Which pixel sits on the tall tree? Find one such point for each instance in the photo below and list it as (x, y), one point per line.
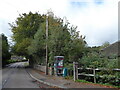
(24, 30)
(5, 49)
(59, 37)
(77, 45)
(37, 47)
(30, 38)
(62, 40)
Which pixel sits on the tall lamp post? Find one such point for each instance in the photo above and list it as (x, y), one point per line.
(46, 72)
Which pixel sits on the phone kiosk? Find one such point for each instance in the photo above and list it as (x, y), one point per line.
(58, 65)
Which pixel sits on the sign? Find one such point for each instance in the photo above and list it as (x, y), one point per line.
(59, 61)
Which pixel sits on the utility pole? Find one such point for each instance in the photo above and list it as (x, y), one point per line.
(46, 72)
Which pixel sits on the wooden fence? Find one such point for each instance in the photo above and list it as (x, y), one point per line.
(93, 74)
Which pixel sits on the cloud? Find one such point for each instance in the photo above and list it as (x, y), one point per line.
(96, 19)
(4, 28)
(78, 4)
(98, 2)
(98, 22)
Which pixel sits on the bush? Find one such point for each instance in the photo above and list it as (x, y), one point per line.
(69, 69)
(11, 61)
(93, 60)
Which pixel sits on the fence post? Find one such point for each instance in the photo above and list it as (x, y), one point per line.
(75, 70)
(94, 75)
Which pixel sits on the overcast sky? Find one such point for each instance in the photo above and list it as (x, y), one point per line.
(96, 19)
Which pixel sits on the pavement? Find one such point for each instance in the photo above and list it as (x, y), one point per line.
(60, 82)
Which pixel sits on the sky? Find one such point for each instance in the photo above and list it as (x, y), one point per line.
(96, 19)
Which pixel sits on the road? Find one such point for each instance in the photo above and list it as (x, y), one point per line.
(16, 76)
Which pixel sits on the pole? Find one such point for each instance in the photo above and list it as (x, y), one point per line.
(46, 45)
(75, 70)
(94, 75)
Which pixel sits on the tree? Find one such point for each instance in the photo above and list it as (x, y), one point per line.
(30, 38)
(59, 37)
(5, 49)
(105, 44)
(37, 47)
(62, 41)
(24, 30)
(77, 45)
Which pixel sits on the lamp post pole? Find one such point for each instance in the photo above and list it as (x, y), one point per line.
(46, 72)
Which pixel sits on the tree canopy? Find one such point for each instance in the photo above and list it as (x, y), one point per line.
(30, 38)
(23, 31)
(5, 49)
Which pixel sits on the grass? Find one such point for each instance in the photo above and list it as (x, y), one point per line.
(105, 84)
(26, 64)
(83, 81)
(11, 61)
(69, 77)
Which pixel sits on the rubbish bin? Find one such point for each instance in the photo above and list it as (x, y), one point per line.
(64, 72)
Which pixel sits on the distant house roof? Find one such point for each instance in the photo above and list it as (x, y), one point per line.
(113, 49)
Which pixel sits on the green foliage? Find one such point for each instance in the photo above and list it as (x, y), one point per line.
(69, 77)
(29, 34)
(62, 41)
(111, 79)
(106, 82)
(37, 47)
(26, 26)
(23, 31)
(59, 38)
(105, 44)
(5, 49)
(12, 61)
(68, 65)
(26, 64)
(93, 60)
(83, 81)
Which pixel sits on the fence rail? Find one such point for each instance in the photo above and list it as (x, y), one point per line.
(94, 72)
(115, 69)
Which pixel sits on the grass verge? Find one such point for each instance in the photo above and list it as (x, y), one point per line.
(105, 84)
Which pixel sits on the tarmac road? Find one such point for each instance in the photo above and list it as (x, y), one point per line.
(16, 76)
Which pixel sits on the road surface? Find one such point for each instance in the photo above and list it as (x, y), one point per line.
(16, 76)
